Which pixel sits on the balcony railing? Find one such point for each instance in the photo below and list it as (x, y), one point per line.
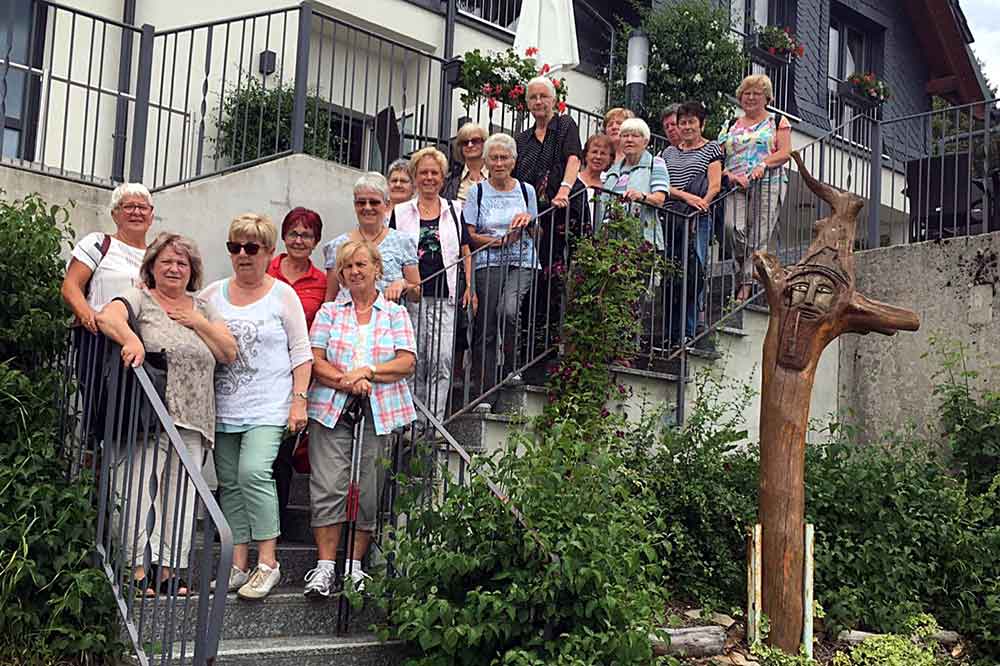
(498, 13)
(778, 68)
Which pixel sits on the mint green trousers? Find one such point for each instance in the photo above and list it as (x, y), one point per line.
(247, 493)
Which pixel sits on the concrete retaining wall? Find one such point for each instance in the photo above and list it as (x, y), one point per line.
(887, 382)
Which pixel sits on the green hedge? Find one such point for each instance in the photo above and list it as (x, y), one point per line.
(54, 606)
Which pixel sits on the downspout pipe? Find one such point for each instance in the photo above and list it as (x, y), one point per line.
(124, 87)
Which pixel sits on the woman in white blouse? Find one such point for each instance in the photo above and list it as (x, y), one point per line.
(256, 397)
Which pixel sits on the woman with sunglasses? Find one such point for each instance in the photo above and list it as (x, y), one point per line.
(469, 162)
(400, 273)
(257, 397)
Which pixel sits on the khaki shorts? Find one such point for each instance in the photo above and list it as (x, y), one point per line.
(330, 460)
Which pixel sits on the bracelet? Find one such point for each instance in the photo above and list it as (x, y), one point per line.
(301, 394)
(565, 184)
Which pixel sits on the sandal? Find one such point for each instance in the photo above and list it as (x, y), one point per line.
(143, 588)
(173, 586)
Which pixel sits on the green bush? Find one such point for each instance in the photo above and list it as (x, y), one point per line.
(692, 56)
(54, 606)
(581, 584)
(256, 122)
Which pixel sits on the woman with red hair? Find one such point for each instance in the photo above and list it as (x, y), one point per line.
(300, 232)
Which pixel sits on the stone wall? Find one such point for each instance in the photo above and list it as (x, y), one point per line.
(888, 382)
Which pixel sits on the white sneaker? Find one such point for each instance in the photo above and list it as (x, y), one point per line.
(237, 579)
(262, 581)
(319, 582)
(358, 577)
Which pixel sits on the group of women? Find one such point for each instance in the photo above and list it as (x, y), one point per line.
(281, 346)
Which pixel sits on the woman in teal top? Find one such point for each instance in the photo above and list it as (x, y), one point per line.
(640, 177)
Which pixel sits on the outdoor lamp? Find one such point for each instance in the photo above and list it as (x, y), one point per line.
(635, 68)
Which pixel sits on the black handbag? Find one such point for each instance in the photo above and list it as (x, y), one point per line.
(123, 395)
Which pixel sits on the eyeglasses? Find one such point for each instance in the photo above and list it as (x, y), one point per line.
(250, 248)
(131, 208)
(472, 142)
(362, 203)
(298, 235)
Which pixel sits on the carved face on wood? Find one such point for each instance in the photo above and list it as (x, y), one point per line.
(812, 295)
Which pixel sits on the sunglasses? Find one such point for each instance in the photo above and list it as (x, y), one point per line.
(472, 142)
(250, 248)
(361, 203)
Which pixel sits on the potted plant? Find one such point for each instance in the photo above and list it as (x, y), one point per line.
(502, 78)
(864, 89)
(774, 45)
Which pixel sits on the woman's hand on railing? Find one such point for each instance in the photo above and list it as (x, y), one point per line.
(634, 195)
(88, 318)
(740, 180)
(758, 171)
(133, 353)
(395, 290)
(520, 221)
(694, 201)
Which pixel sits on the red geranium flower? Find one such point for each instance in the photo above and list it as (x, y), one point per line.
(491, 102)
(530, 51)
(800, 50)
(562, 107)
(545, 69)
(771, 50)
(556, 83)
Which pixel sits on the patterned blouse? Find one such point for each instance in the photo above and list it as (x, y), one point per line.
(746, 147)
(398, 251)
(190, 363)
(336, 331)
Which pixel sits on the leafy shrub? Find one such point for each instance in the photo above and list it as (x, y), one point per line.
(692, 56)
(581, 584)
(256, 122)
(54, 606)
(32, 317)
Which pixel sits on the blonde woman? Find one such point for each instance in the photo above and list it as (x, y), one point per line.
(468, 160)
(756, 145)
(613, 120)
(257, 396)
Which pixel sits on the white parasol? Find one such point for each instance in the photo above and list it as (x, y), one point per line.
(550, 27)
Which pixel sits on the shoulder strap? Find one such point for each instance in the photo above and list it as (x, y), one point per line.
(524, 193)
(133, 323)
(105, 245)
(454, 217)
(392, 218)
(479, 196)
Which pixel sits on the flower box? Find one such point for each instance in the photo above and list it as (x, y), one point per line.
(764, 57)
(847, 92)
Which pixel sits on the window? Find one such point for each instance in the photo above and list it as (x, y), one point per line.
(748, 13)
(855, 47)
(23, 90)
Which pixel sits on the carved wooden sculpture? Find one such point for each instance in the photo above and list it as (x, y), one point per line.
(811, 304)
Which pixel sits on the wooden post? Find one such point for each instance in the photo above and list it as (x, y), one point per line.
(811, 303)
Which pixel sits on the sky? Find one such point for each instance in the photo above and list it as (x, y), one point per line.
(984, 20)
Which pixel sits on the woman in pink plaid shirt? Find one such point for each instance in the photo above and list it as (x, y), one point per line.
(363, 350)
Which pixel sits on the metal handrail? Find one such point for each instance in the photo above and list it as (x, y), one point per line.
(136, 418)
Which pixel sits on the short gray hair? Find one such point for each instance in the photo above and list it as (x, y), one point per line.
(373, 181)
(130, 190)
(178, 243)
(543, 81)
(500, 140)
(635, 126)
(670, 110)
(402, 164)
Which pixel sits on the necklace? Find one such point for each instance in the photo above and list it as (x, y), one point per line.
(426, 211)
(373, 241)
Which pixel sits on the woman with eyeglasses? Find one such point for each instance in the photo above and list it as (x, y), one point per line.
(257, 396)
(400, 274)
(640, 178)
(101, 267)
(300, 232)
(400, 182)
(756, 146)
(468, 163)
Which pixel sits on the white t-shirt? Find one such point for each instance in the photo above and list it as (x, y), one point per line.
(117, 271)
(271, 333)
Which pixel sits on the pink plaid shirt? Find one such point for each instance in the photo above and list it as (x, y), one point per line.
(335, 331)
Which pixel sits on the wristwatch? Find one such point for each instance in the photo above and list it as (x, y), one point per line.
(372, 368)
(301, 394)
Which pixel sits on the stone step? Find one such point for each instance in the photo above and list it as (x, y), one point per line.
(284, 612)
(320, 650)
